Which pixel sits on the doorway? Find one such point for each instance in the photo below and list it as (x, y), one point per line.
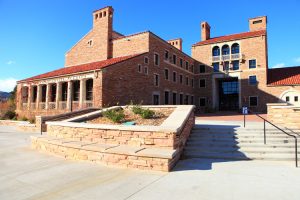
(228, 95)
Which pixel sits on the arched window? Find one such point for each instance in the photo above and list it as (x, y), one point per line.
(225, 49)
(216, 51)
(235, 48)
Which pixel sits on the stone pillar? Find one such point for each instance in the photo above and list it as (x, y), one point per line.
(82, 93)
(39, 96)
(30, 92)
(47, 95)
(58, 95)
(69, 97)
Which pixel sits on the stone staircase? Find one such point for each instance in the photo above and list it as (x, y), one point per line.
(238, 143)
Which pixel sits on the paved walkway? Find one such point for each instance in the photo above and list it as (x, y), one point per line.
(27, 174)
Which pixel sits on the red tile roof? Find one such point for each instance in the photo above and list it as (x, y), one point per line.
(81, 68)
(232, 37)
(284, 76)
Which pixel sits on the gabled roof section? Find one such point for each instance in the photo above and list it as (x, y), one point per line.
(232, 37)
(284, 76)
(81, 68)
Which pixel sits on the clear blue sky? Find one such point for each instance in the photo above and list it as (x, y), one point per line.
(35, 34)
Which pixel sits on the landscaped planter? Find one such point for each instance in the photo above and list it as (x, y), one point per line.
(171, 135)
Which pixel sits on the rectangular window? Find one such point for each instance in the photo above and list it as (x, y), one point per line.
(253, 101)
(235, 65)
(216, 67)
(181, 99)
(202, 101)
(226, 66)
(296, 98)
(186, 100)
(156, 59)
(166, 74)
(187, 65)
(174, 98)
(201, 69)
(252, 64)
(192, 99)
(174, 77)
(181, 78)
(146, 60)
(187, 80)
(174, 59)
(202, 83)
(252, 80)
(192, 82)
(146, 70)
(156, 79)
(257, 22)
(155, 99)
(139, 68)
(167, 97)
(287, 99)
(166, 55)
(181, 62)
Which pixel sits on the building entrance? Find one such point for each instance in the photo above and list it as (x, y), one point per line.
(228, 95)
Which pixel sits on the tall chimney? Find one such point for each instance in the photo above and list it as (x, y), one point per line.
(205, 31)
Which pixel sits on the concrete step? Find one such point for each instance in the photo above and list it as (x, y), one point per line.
(262, 149)
(244, 132)
(250, 136)
(239, 140)
(240, 145)
(241, 156)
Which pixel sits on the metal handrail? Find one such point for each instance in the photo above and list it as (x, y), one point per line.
(265, 139)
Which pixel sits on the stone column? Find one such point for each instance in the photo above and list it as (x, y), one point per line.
(47, 95)
(58, 95)
(30, 92)
(39, 96)
(82, 93)
(69, 97)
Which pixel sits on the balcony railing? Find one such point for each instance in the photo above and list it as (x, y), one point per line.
(226, 57)
(75, 105)
(62, 105)
(236, 56)
(33, 105)
(52, 105)
(216, 58)
(88, 104)
(42, 106)
(24, 106)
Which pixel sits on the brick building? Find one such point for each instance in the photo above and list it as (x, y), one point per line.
(105, 68)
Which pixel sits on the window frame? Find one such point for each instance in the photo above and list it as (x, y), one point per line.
(154, 59)
(204, 82)
(204, 98)
(255, 63)
(250, 101)
(156, 75)
(201, 71)
(249, 81)
(174, 75)
(167, 75)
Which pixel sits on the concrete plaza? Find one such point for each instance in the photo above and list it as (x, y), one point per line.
(27, 174)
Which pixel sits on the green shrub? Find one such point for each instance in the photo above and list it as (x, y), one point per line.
(32, 120)
(136, 109)
(147, 114)
(116, 116)
(23, 118)
(10, 115)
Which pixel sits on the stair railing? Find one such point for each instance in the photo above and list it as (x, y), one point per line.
(265, 138)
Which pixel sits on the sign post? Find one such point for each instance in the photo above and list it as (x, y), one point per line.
(245, 112)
